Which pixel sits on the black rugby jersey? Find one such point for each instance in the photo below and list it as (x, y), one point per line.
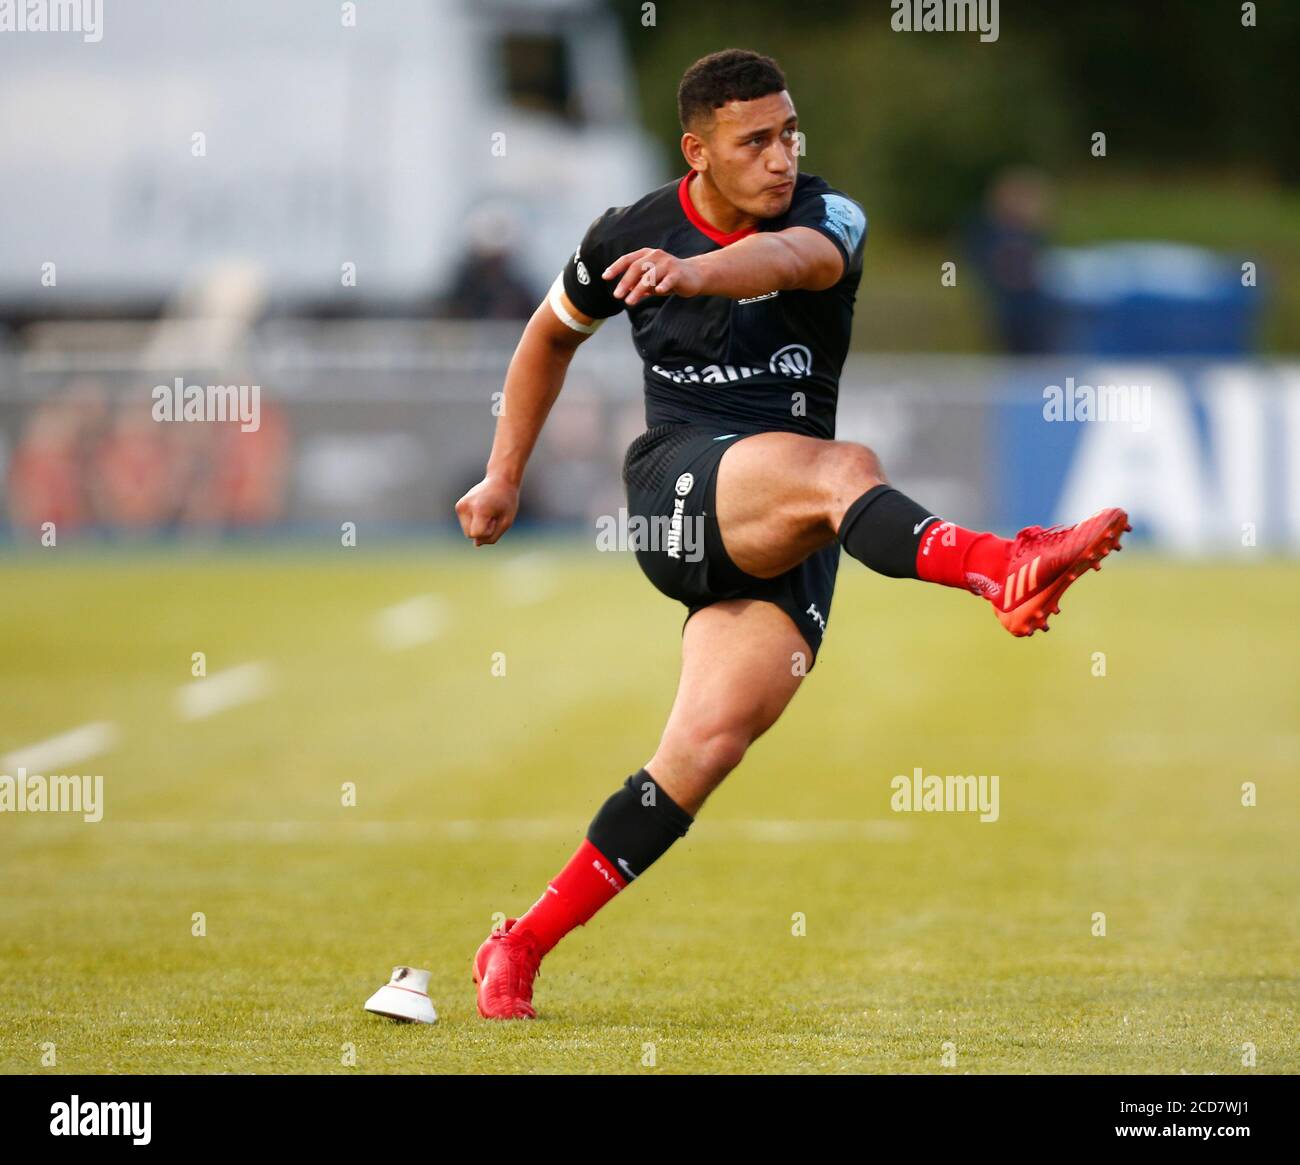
(769, 362)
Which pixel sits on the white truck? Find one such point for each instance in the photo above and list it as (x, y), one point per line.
(347, 152)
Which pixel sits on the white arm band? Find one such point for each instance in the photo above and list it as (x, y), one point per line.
(557, 306)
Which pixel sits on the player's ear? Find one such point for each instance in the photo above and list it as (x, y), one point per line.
(693, 150)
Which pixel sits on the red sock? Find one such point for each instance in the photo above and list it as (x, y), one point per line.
(573, 896)
(955, 557)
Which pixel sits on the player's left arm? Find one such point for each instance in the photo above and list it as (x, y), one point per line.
(820, 245)
(797, 258)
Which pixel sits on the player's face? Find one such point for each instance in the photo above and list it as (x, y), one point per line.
(752, 153)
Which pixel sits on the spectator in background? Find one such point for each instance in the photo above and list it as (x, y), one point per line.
(253, 470)
(47, 477)
(136, 476)
(88, 460)
(1005, 242)
(487, 285)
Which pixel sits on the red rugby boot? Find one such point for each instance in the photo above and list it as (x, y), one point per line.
(1043, 563)
(504, 969)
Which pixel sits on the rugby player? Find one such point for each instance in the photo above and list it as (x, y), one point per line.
(739, 282)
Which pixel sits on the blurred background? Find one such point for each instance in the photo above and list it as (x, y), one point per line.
(357, 214)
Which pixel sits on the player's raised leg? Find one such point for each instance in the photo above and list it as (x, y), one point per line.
(781, 496)
(742, 661)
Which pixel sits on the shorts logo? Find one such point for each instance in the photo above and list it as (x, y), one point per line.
(794, 360)
(684, 484)
(668, 534)
(817, 616)
(583, 277)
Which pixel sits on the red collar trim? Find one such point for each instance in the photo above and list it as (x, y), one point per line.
(699, 222)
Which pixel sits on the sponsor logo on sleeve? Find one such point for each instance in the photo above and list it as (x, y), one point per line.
(844, 219)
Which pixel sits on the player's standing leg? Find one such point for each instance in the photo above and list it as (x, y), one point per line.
(742, 661)
(781, 496)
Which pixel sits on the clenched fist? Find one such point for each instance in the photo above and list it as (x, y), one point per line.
(488, 510)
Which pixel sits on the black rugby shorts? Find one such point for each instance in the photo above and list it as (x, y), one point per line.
(670, 473)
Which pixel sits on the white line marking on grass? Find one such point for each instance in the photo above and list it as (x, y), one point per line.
(408, 624)
(221, 690)
(522, 829)
(528, 578)
(796, 832)
(62, 751)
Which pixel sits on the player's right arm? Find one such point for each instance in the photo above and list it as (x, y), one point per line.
(573, 309)
(533, 381)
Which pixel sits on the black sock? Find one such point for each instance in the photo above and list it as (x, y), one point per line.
(883, 530)
(635, 827)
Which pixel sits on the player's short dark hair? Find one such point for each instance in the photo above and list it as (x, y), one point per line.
(728, 75)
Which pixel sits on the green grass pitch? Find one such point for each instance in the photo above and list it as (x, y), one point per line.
(934, 942)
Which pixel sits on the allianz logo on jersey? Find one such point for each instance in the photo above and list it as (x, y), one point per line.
(793, 361)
